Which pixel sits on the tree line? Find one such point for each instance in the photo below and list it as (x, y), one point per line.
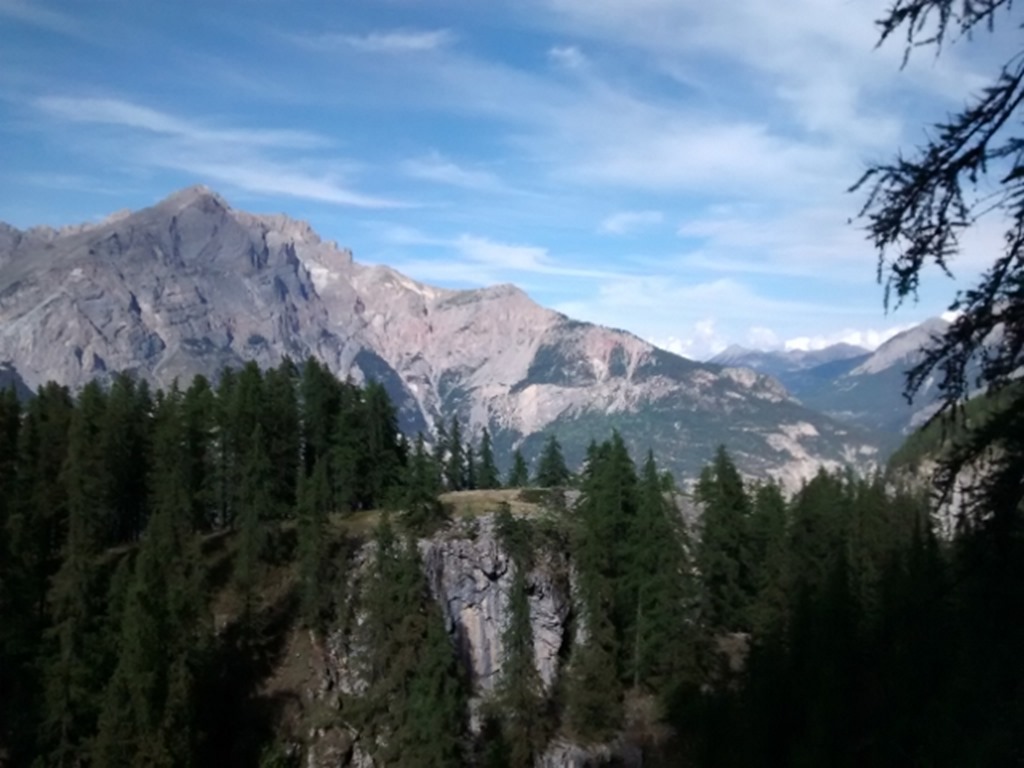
(144, 536)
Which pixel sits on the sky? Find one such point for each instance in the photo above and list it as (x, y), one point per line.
(676, 168)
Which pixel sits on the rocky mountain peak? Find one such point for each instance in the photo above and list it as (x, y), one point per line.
(191, 285)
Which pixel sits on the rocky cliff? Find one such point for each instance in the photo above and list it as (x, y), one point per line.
(191, 285)
(470, 575)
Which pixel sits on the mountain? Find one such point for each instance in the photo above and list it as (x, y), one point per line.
(191, 285)
(870, 394)
(851, 384)
(796, 369)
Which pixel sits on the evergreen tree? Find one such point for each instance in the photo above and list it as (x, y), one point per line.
(314, 493)
(487, 476)
(11, 628)
(422, 507)
(383, 462)
(413, 709)
(281, 429)
(199, 416)
(350, 456)
(123, 441)
(148, 713)
(770, 561)
(723, 557)
(469, 480)
(551, 469)
(519, 475)
(659, 648)
(455, 462)
(520, 696)
(72, 686)
(255, 510)
(36, 526)
(604, 514)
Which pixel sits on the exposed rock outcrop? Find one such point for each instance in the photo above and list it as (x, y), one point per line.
(470, 575)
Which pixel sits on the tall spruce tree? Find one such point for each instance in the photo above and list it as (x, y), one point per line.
(413, 708)
(519, 474)
(314, 495)
(124, 442)
(520, 696)
(282, 431)
(659, 646)
(149, 708)
(422, 508)
(487, 476)
(72, 689)
(770, 561)
(723, 556)
(551, 469)
(256, 509)
(455, 461)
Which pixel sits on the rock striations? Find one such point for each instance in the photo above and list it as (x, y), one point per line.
(191, 285)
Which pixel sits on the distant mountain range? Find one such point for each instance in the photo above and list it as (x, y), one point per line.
(191, 285)
(852, 384)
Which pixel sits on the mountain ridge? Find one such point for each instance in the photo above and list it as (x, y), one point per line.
(190, 285)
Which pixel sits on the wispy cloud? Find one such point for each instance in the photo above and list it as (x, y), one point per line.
(627, 221)
(38, 15)
(470, 259)
(397, 41)
(437, 168)
(261, 161)
(568, 56)
(129, 115)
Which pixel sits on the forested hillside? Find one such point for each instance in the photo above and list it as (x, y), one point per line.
(161, 550)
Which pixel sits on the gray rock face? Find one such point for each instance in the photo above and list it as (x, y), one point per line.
(191, 285)
(470, 577)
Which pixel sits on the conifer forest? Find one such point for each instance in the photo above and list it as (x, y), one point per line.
(157, 545)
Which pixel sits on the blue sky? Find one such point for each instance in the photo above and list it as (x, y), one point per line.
(672, 167)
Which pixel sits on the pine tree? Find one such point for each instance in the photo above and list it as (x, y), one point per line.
(422, 507)
(199, 416)
(72, 686)
(413, 709)
(770, 561)
(659, 647)
(604, 514)
(487, 476)
(723, 556)
(551, 469)
(454, 466)
(281, 429)
(314, 493)
(255, 510)
(123, 441)
(469, 480)
(520, 696)
(148, 710)
(519, 475)
(36, 526)
(383, 462)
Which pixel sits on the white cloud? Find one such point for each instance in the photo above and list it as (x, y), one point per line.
(867, 338)
(625, 221)
(268, 178)
(397, 41)
(436, 167)
(129, 115)
(241, 157)
(568, 56)
(44, 18)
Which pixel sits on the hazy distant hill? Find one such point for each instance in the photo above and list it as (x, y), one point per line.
(852, 384)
